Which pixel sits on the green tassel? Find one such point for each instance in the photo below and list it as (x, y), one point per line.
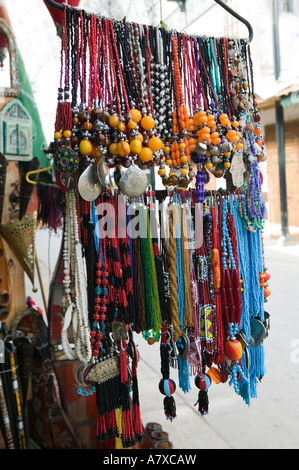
(146, 269)
(155, 289)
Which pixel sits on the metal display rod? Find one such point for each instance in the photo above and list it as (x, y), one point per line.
(59, 6)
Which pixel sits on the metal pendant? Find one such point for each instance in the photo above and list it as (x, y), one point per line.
(104, 370)
(103, 174)
(183, 346)
(258, 332)
(133, 181)
(89, 185)
(66, 160)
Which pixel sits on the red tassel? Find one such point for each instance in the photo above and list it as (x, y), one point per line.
(122, 297)
(123, 366)
(137, 424)
(111, 424)
(128, 438)
(101, 428)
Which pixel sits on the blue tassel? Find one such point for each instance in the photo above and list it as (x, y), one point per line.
(184, 376)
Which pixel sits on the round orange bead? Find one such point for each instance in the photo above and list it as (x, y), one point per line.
(147, 123)
(85, 147)
(136, 146)
(121, 127)
(67, 133)
(146, 154)
(155, 144)
(132, 125)
(113, 149)
(87, 125)
(233, 350)
(114, 121)
(136, 115)
(57, 135)
(123, 148)
(267, 292)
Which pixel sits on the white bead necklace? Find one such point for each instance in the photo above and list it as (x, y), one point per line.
(77, 308)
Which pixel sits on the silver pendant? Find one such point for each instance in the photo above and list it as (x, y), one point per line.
(133, 181)
(89, 185)
(103, 173)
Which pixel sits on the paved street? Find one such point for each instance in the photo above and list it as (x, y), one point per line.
(272, 420)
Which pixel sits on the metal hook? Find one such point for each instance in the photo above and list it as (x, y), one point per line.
(56, 5)
(236, 15)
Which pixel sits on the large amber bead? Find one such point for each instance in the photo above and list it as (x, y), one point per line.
(147, 123)
(136, 115)
(233, 350)
(123, 148)
(136, 146)
(145, 154)
(155, 144)
(85, 147)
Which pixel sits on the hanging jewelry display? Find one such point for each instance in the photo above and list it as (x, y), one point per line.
(133, 99)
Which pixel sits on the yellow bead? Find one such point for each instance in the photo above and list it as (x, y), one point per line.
(147, 123)
(227, 165)
(121, 127)
(123, 148)
(146, 154)
(85, 147)
(184, 171)
(184, 159)
(182, 145)
(162, 172)
(57, 135)
(67, 133)
(132, 125)
(155, 144)
(113, 149)
(209, 165)
(168, 162)
(166, 149)
(136, 115)
(136, 146)
(114, 121)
